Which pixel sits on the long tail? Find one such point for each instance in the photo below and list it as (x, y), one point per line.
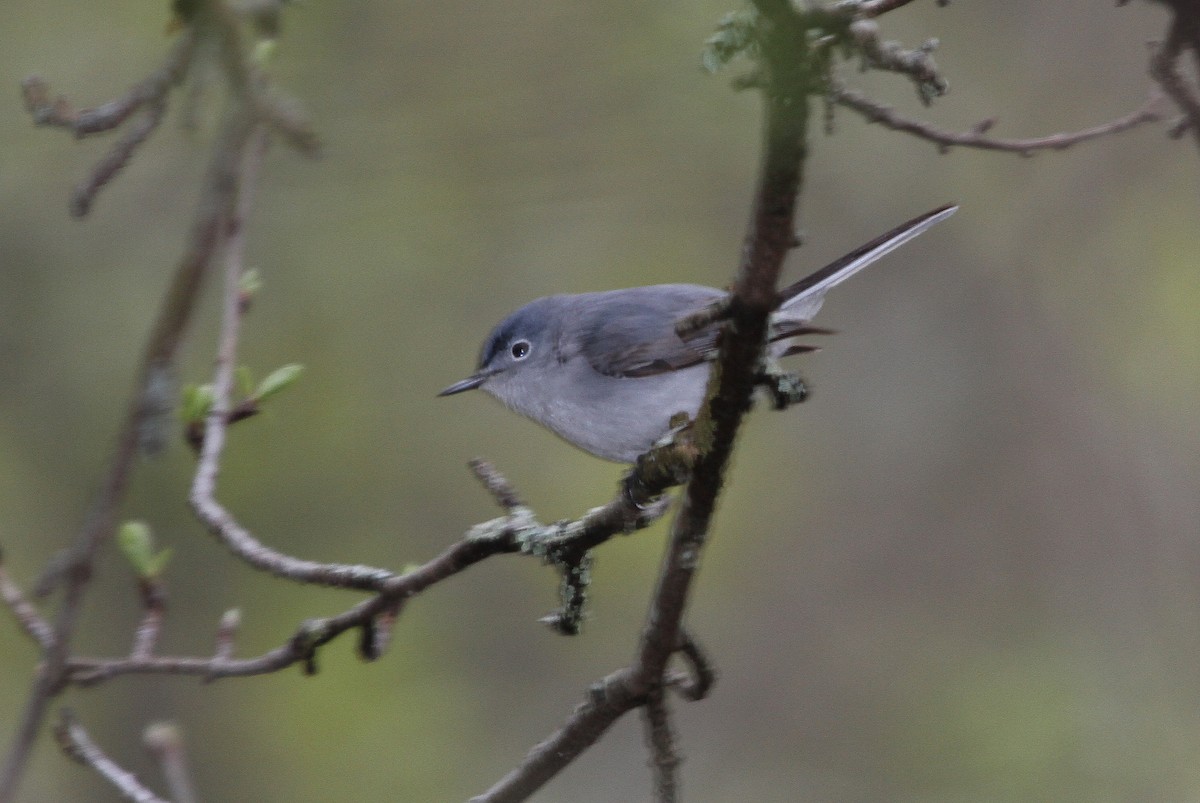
(804, 298)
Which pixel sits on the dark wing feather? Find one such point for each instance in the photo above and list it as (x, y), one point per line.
(631, 333)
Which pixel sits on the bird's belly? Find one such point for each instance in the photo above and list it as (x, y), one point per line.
(623, 417)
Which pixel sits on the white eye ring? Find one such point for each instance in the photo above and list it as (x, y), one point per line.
(519, 349)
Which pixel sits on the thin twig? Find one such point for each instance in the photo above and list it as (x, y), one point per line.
(58, 111)
(915, 63)
(76, 743)
(496, 484)
(203, 499)
(148, 96)
(165, 743)
(117, 158)
(695, 684)
(888, 117)
(227, 628)
(154, 602)
(27, 616)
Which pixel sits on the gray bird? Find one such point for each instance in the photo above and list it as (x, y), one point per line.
(607, 372)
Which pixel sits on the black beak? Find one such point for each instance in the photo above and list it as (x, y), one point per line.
(470, 383)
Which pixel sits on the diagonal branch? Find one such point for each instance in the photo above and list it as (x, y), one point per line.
(77, 744)
(27, 616)
(148, 96)
(977, 137)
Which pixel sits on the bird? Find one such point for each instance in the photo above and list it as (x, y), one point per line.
(608, 372)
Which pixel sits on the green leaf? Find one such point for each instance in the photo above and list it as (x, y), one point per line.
(250, 282)
(277, 380)
(158, 563)
(196, 401)
(245, 380)
(137, 544)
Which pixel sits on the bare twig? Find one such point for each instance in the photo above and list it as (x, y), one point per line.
(203, 499)
(698, 681)
(503, 535)
(917, 63)
(153, 89)
(148, 96)
(888, 117)
(227, 630)
(117, 158)
(496, 484)
(154, 603)
(165, 743)
(27, 616)
(76, 743)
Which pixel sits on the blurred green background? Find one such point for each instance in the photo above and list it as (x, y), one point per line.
(966, 570)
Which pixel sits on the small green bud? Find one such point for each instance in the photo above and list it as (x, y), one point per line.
(277, 380)
(197, 400)
(137, 544)
(264, 51)
(250, 282)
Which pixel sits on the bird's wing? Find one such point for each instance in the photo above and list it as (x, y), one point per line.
(632, 332)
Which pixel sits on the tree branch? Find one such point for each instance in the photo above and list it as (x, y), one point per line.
(754, 297)
(76, 743)
(1183, 33)
(888, 117)
(218, 195)
(165, 743)
(27, 616)
(664, 761)
(154, 602)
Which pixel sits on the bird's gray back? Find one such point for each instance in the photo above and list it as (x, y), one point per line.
(631, 332)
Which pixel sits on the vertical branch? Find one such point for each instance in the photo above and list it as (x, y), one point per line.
(664, 761)
(768, 240)
(1183, 34)
(154, 604)
(216, 206)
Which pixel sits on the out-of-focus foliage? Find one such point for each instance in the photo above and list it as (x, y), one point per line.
(137, 544)
(965, 569)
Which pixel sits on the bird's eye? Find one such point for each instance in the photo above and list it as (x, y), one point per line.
(520, 349)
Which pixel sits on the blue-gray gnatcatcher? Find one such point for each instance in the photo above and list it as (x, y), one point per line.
(607, 371)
